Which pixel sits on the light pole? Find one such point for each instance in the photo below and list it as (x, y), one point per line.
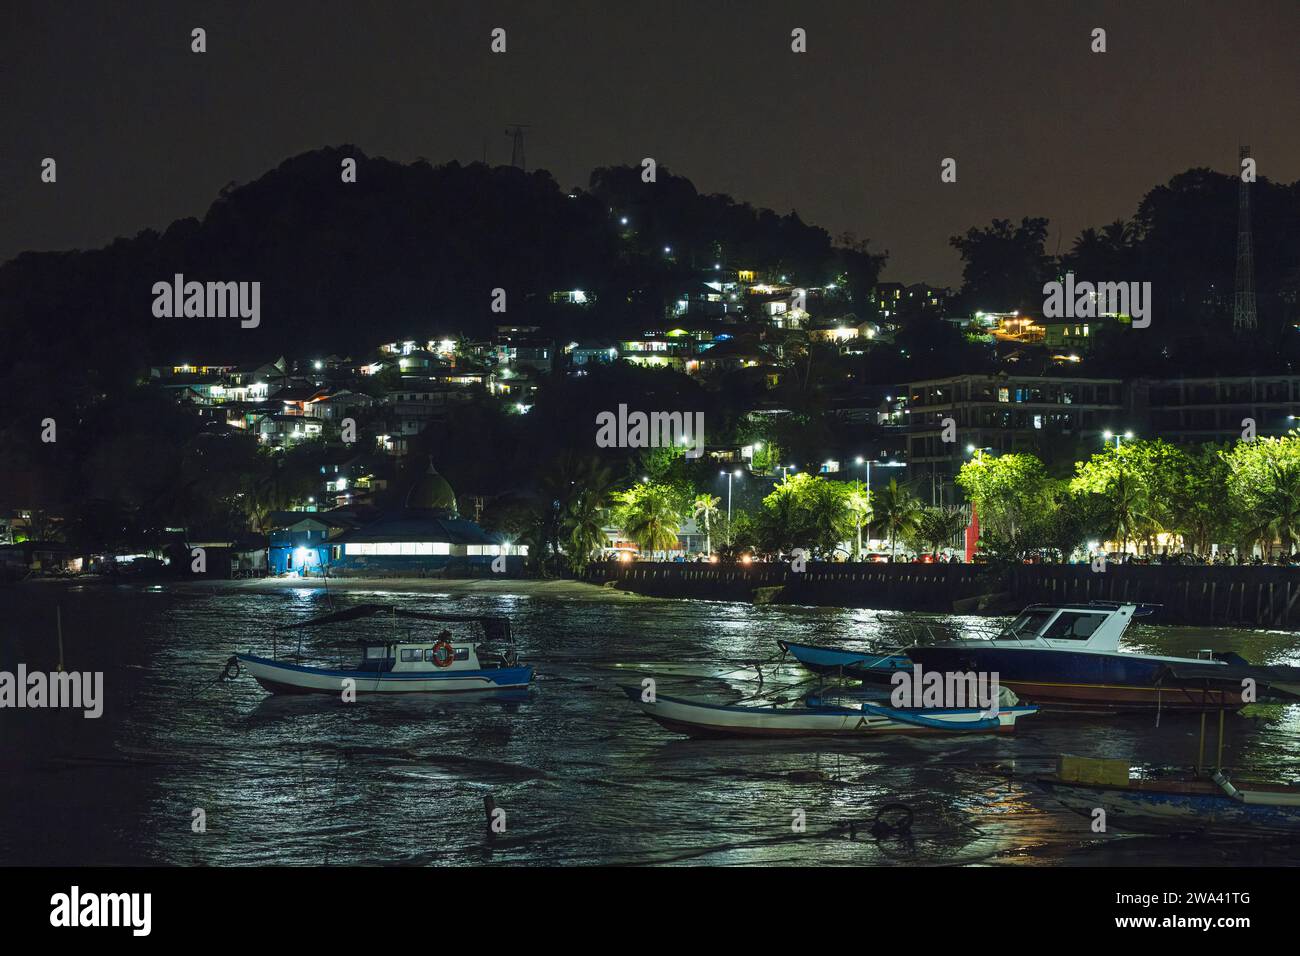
(729, 475)
(1108, 435)
(977, 453)
(1105, 437)
(860, 461)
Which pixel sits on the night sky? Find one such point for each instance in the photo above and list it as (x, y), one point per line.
(850, 134)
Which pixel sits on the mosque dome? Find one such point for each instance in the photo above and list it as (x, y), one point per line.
(431, 492)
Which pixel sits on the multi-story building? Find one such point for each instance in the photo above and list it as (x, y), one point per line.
(590, 352)
(1003, 413)
(1021, 413)
(658, 350)
(710, 298)
(280, 430)
(892, 299)
(845, 332)
(524, 347)
(414, 405)
(1193, 410)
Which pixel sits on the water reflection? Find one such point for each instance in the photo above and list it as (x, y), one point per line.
(582, 777)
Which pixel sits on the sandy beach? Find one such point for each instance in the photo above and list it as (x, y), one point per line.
(562, 589)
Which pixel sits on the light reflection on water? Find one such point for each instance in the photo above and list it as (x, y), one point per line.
(583, 778)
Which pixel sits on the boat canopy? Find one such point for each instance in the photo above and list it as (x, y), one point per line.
(496, 628)
(1096, 625)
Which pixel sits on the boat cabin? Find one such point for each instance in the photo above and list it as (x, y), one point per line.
(440, 654)
(1097, 626)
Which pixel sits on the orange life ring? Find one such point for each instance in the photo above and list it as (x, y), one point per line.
(444, 655)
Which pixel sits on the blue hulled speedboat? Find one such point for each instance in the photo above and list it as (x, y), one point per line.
(1067, 657)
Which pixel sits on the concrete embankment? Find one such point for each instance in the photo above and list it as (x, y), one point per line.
(1258, 596)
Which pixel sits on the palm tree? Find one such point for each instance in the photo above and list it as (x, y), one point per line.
(586, 531)
(858, 502)
(1105, 252)
(1277, 512)
(563, 484)
(1128, 510)
(650, 517)
(899, 511)
(270, 487)
(707, 505)
(935, 527)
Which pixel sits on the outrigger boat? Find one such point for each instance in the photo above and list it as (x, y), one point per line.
(409, 665)
(1213, 806)
(859, 665)
(819, 717)
(1204, 803)
(1067, 657)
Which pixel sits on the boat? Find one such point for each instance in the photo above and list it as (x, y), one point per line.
(837, 660)
(1203, 802)
(1211, 805)
(1066, 657)
(436, 663)
(822, 717)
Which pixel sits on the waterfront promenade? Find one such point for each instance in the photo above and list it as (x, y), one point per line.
(1259, 596)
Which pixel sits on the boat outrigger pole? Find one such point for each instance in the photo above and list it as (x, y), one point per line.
(1213, 687)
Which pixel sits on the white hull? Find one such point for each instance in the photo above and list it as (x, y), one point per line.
(715, 719)
(280, 677)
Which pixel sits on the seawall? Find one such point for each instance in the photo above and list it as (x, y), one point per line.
(1245, 595)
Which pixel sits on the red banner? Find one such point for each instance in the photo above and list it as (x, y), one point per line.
(972, 534)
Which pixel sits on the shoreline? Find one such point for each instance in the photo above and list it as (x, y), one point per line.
(564, 588)
(533, 587)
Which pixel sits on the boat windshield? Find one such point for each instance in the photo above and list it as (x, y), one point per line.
(1028, 625)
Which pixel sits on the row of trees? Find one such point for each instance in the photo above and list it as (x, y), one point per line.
(1146, 493)
(1149, 493)
(824, 518)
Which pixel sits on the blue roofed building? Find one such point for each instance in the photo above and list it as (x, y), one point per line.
(426, 536)
(298, 540)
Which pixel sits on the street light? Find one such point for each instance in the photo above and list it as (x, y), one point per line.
(859, 461)
(1108, 435)
(729, 475)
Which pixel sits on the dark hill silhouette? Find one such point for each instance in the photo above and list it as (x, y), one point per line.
(407, 249)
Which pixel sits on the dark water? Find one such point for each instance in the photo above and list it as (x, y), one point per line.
(582, 777)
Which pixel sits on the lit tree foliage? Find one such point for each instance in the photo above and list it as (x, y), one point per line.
(898, 512)
(805, 511)
(650, 514)
(1264, 489)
